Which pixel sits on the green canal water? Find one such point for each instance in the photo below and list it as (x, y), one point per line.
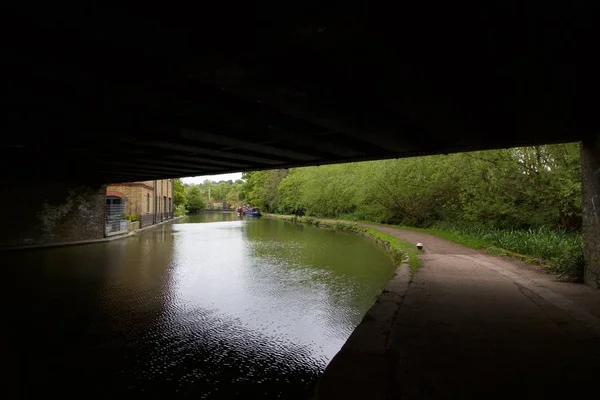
(210, 306)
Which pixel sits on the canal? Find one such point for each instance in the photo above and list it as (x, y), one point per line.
(209, 306)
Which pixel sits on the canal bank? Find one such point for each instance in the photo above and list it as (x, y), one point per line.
(364, 366)
(401, 251)
(92, 241)
(471, 325)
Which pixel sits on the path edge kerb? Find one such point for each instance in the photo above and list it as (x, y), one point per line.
(365, 362)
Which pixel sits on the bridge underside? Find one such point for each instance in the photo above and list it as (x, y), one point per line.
(119, 95)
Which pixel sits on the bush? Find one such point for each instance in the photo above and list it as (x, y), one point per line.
(195, 199)
(180, 210)
(570, 264)
(133, 217)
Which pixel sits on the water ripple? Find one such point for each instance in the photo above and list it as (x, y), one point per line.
(233, 309)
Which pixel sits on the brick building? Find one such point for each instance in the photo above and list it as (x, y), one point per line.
(151, 200)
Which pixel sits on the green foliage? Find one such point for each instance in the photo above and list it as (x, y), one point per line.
(542, 242)
(133, 217)
(179, 198)
(454, 234)
(209, 191)
(569, 264)
(399, 249)
(511, 188)
(558, 250)
(180, 210)
(520, 196)
(116, 217)
(261, 188)
(523, 187)
(195, 199)
(233, 196)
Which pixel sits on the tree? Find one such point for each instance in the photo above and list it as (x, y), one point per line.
(179, 198)
(178, 193)
(220, 190)
(195, 199)
(233, 196)
(517, 188)
(261, 188)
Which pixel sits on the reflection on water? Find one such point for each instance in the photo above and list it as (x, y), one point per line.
(212, 216)
(215, 310)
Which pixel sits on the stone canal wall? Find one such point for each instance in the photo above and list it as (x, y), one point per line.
(42, 213)
(365, 357)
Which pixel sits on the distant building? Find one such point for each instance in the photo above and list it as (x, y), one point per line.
(217, 205)
(152, 201)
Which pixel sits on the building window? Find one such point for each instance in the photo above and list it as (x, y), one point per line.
(165, 204)
(110, 200)
(147, 202)
(115, 214)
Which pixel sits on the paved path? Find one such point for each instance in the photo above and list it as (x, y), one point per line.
(472, 326)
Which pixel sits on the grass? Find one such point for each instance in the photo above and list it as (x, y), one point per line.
(401, 248)
(456, 236)
(556, 250)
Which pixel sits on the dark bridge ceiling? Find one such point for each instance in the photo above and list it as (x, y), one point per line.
(131, 94)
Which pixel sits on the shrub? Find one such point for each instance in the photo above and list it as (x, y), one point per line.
(180, 210)
(133, 217)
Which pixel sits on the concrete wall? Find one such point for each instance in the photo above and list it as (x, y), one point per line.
(590, 171)
(38, 213)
